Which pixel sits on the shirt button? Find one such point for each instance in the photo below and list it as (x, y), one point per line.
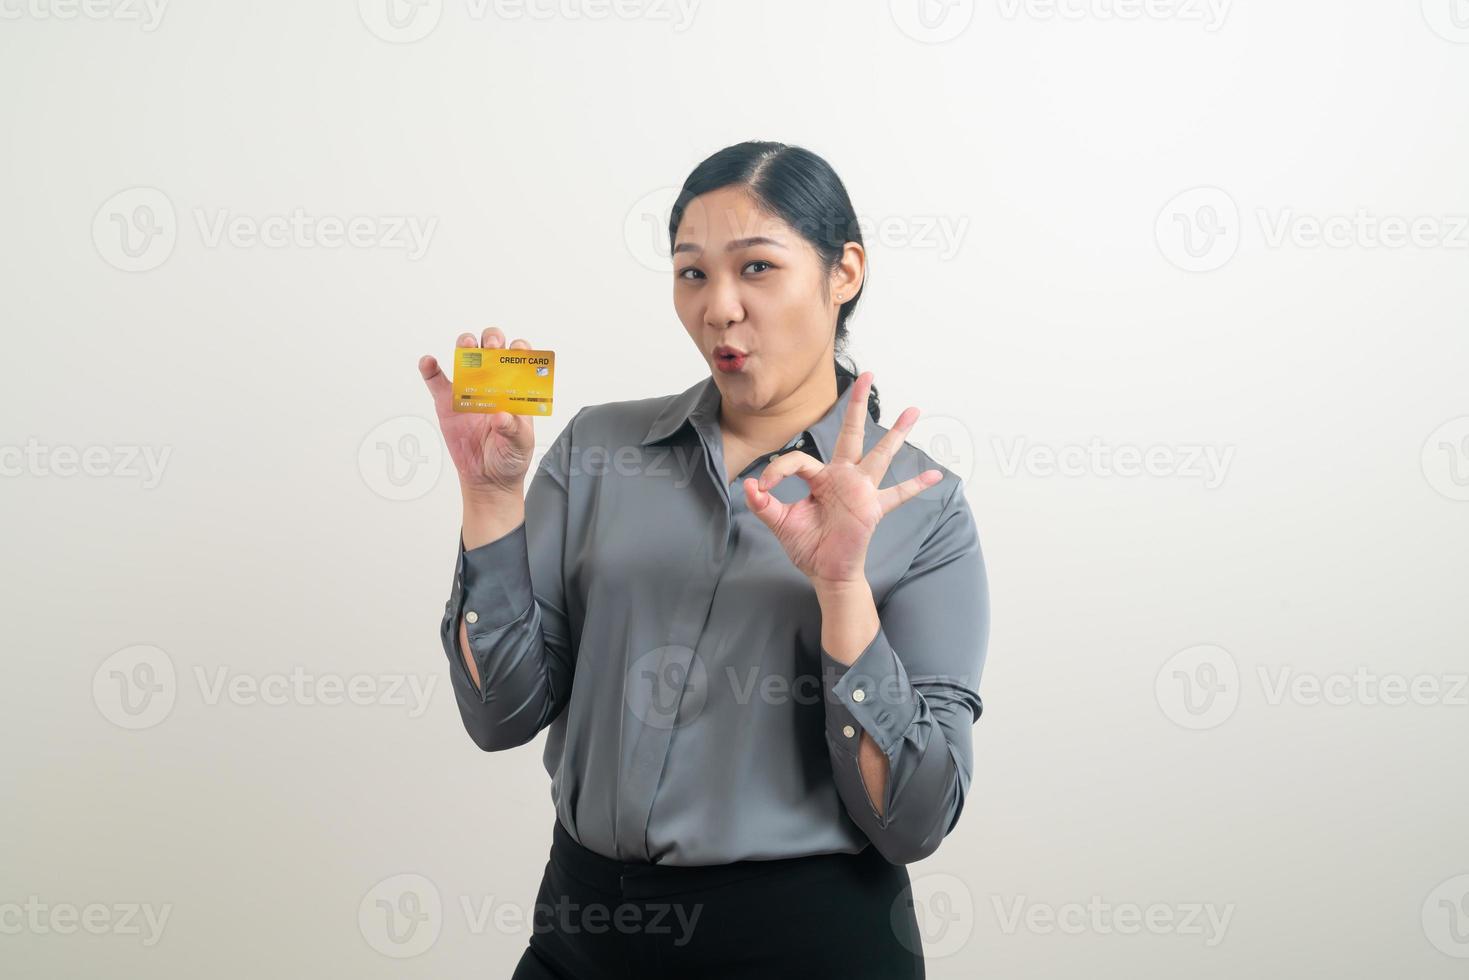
(848, 731)
(800, 443)
(774, 457)
(471, 617)
(859, 695)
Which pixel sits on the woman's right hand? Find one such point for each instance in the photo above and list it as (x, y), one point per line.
(491, 450)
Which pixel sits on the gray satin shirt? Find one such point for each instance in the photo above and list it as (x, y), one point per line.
(660, 630)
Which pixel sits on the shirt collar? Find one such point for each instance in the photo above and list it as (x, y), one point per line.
(700, 402)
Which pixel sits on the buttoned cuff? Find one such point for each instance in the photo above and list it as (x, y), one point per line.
(872, 694)
(495, 583)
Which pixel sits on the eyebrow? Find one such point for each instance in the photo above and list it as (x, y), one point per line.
(738, 243)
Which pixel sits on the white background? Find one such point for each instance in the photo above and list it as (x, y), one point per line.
(304, 519)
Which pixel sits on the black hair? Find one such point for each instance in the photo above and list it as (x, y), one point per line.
(800, 188)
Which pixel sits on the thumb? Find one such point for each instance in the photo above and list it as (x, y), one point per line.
(763, 504)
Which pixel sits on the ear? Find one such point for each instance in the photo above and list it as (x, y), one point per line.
(849, 274)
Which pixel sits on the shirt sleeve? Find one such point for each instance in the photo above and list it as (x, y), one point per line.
(511, 595)
(914, 689)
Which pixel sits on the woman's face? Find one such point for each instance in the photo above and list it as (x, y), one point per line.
(746, 283)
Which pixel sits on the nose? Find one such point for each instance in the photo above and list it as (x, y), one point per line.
(724, 306)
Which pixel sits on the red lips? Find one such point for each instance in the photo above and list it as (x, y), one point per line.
(728, 359)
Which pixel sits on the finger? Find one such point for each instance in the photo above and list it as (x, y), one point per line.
(785, 464)
(849, 443)
(898, 494)
(764, 504)
(492, 337)
(438, 385)
(521, 343)
(467, 340)
(879, 457)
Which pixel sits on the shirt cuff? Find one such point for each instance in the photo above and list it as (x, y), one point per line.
(495, 583)
(872, 694)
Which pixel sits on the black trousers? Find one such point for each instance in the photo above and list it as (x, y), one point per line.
(826, 915)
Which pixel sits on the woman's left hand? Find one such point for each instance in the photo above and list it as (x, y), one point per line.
(826, 533)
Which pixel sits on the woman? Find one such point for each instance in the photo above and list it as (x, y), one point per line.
(760, 690)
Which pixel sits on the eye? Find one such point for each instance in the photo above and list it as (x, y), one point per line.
(684, 273)
(759, 262)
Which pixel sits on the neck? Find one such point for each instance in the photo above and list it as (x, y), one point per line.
(777, 422)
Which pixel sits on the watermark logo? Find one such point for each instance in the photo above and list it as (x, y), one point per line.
(301, 687)
(147, 14)
(39, 918)
(645, 228)
(406, 21)
(932, 21)
(948, 441)
(402, 458)
(1207, 464)
(1199, 687)
(401, 916)
(135, 230)
(136, 687)
(943, 907)
(1210, 13)
(401, 21)
(1449, 19)
(1446, 917)
(1199, 230)
(1362, 229)
(1099, 917)
(1445, 459)
(35, 459)
(667, 687)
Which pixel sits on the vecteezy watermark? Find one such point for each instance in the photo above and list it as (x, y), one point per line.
(645, 229)
(670, 686)
(947, 440)
(1211, 14)
(403, 916)
(136, 230)
(1200, 687)
(679, 464)
(123, 461)
(1201, 230)
(1449, 19)
(932, 21)
(1446, 917)
(147, 14)
(1362, 229)
(35, 917)
(406, 21)
(138, 686)
(1208, 464)
(667, 687)
(943, 907)
(298, 228)
(402, 458)
(1445, 458)
(1098, 917)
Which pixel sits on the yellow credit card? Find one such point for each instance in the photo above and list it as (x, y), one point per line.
(503, 379)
